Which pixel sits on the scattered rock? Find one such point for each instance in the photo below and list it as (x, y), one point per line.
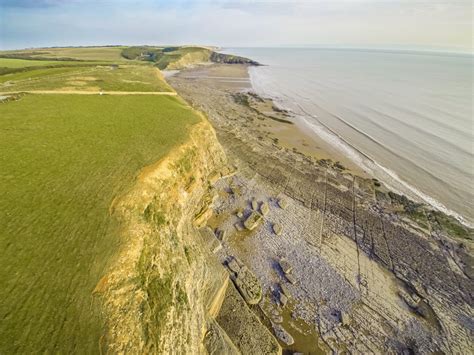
(240, 213)
(291, 279)
(235, 190)
(277, 228)
(248, 286)
(275, 312)
(412, 302)
(282, 203)
(282, 334)
(285, 266)
(254, 204)
(345, 319)
(253, 220)
(233, 266)
(264, 208)
(283, 300)
(277, 318)
(216, 246)
(284, 290)
(222, 235)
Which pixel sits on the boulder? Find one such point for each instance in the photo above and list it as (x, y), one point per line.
(284, 290)
(345, 319)
(252, 220)
(240, 213)
(277, 228)
(233, 266)
(282, 203)
(254, 204)
(222, 235)
(282, 334)
(285, 266)
(248, 286)
(291, 279)
(412, 302)
(216, 246)
(283, 299)
(277, 318)
(244, 327)
(264, 208)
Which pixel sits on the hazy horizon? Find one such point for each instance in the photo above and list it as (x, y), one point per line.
(362, 24)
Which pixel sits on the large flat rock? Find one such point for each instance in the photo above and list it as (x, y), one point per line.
(243, 327)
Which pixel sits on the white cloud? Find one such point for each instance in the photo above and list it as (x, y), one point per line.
(241, 23)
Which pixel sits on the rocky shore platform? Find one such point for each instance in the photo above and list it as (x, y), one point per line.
(326, 258)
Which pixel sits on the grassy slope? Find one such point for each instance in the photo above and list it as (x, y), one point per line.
(64, 159)
(125, 78)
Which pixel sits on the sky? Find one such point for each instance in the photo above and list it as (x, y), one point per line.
(409, 24)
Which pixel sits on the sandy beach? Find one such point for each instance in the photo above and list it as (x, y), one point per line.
(278, 126)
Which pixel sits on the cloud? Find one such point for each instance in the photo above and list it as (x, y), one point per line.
(30, 3)
(26, 23)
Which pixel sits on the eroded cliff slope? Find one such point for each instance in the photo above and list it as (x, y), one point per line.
(164, 287)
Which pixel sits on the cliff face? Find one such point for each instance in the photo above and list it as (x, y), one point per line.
(165, 287)
(230, 59)
(189, 60)
(205, 55)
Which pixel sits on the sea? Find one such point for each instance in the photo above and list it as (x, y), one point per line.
(405, 117)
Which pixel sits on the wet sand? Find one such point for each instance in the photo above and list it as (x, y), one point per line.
(293, 136)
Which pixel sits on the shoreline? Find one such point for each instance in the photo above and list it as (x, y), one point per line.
(362, 164)
(353, 245)
(302, 138)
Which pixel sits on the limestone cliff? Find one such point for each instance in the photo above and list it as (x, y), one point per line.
(190, 59)
(165, 287)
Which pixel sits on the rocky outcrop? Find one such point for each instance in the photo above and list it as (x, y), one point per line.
(230, 59)
(164, 288)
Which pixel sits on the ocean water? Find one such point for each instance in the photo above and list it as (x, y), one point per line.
(404, 117)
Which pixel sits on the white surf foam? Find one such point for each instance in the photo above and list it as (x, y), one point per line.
(389, 177)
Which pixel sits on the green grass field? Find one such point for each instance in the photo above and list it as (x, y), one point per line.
(144, 78)
(112, 54)
(87, 53)
(64, 159)
(24, 63)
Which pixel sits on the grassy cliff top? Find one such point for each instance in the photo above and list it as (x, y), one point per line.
(66, 155)
(164, 57)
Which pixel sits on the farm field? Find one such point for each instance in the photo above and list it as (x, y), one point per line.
(25, 63)
(64, 159)
(143, 78)
(78, 53)
(87, 53)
